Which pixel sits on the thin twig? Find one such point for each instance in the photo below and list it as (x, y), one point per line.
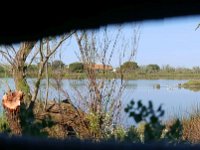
(44, 60)
(47, 77)
(4, 54)
(33, 58)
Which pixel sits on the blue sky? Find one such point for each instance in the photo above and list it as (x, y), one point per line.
(167, 41)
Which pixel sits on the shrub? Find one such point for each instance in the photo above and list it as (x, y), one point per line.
(152, 119)
(129, 66)
(152, 68)
(4, 127)
(57, 64)
(76, 67)
(133, 135)
(2, 70)
(149, 123)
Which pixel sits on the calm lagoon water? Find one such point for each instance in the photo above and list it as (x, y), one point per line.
(176, 101)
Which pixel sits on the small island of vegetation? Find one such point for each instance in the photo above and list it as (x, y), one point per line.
(193, 85)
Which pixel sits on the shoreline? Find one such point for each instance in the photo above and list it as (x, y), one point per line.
(135, 76)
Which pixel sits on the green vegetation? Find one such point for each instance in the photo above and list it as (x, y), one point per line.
(150, 118)
(193, 85)
(129, 66)
(152, 68)
(131, 70)
(76, 67)
(4, 127)
(57, 64)
(148, 126)
(96, 114)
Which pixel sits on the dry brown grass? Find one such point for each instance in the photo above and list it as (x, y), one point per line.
(189, 125)
(191, 128)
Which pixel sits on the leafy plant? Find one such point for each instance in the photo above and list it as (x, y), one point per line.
(152, 119)
(133, 135)
(152, 68)
(173, 133)
(150, 126)
(4, 126)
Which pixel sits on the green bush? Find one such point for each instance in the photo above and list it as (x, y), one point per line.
(119, 133)
(129, 66)
(152, 119)
(133, 135)
(57, 64)
(152, 68)
(4, 127)
(150, 127)
(2, 70)
(76, 67)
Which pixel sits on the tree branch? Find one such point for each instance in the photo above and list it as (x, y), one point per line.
(4, 54)
(43, 61)
(35, 54)
(58, 45)
(12, 47)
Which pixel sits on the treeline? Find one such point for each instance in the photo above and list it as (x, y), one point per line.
(32, 70)
(130, 70)
(133, 67)
(155, 68)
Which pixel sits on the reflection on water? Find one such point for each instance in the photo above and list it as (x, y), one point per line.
(77, 83)
(131, 85)
(175, 100)
(194, 89)
(191, 88)
(193, 85)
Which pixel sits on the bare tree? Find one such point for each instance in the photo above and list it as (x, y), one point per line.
(103, 101)
(50, 50)
(17, 58)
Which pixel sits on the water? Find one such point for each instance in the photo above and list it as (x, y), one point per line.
(176, 101)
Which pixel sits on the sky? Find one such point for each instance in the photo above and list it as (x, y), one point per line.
(167, 41)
